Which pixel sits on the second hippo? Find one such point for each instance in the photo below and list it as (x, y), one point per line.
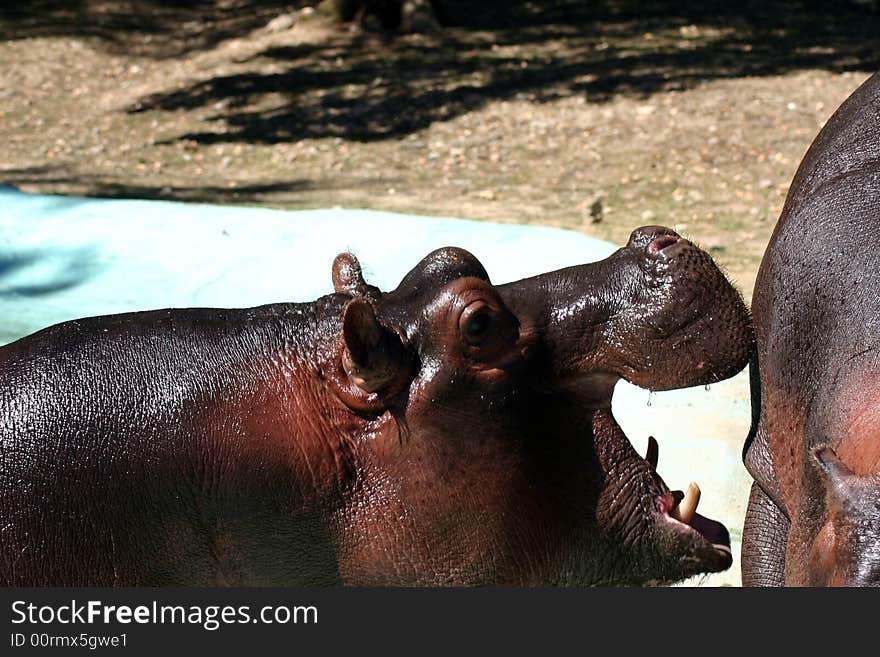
(814, 448)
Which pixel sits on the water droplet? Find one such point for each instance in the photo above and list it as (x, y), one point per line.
(707, 387)
(650, 394)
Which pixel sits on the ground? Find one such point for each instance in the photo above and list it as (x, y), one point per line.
(599, 124)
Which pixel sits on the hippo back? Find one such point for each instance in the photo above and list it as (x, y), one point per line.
(817, 311)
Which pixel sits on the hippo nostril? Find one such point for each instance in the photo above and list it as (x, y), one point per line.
(661, 243)
(643, 236)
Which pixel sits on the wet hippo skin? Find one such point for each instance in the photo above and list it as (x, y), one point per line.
(447, 432)
(814, 450)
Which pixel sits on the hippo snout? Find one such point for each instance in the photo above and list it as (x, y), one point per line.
(652, 238)
(659, 244)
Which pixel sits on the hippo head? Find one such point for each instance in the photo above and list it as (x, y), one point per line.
(485, 448)
(846, 551)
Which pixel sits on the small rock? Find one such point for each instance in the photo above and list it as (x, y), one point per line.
(417, 16)
(280, 23)
(596, 211)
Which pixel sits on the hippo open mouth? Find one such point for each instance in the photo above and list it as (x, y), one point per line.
(707, 539)
(664, 317)
(656, 525)
(679, 509)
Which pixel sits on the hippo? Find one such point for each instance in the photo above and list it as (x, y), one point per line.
(813, 517)
(449, 432)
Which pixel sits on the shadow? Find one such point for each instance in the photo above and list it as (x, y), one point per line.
(355, 88)
(191, 194)
(43, 272)
(153, 28)
(97, 187)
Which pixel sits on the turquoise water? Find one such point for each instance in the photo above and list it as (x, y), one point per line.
(62, 258)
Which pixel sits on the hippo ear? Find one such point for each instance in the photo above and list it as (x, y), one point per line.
(374, 358)
(348, 278)
(832, 468)
(841, 483)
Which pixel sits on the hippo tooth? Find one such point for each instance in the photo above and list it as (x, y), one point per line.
(685, 510)
(653, 452)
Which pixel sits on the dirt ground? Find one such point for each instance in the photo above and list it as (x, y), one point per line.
(598, 122)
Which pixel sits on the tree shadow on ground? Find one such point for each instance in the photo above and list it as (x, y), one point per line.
(155, 28)
(99, 187)
(358, 87)
(353, 88)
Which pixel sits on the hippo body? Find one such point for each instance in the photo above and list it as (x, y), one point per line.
(814, 450)
(447, 432)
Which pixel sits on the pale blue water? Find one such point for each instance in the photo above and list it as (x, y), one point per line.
(62, 258)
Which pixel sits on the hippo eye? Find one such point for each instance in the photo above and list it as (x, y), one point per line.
(487, 332)
(476, 322)
(477, 326)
